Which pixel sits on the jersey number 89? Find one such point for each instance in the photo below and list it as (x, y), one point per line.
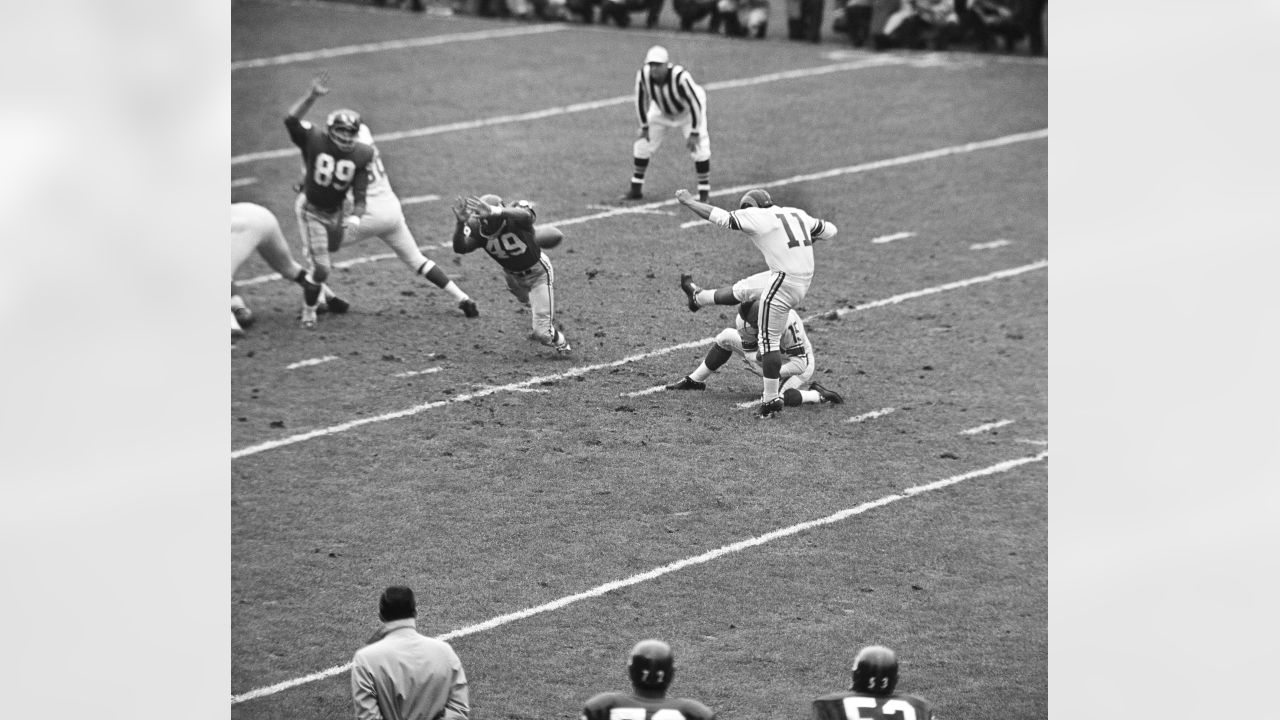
(330, 174)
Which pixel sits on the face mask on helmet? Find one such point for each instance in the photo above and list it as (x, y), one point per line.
(344, 128)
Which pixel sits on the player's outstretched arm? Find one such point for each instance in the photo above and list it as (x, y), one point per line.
(703, 210)
(317, 89)
(463, 241)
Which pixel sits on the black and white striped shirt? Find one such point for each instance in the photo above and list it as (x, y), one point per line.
(675, 96)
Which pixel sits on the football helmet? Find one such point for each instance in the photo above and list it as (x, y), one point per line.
(651, 665)
(875, 670)
(491, 224)
(756, 197)
(749, 312)
(344, 128)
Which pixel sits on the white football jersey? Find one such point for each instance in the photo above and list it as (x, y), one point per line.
(783, 234)
(379, 183)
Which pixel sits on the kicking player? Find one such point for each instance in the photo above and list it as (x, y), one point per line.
(255, 229)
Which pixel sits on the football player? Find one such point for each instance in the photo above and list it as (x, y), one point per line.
(667, 97)
(798, 386)
(784, 235)
(255, 229)
(871, 695)
(507, 233)
(650, 666)
(334, 162)
(384, 219)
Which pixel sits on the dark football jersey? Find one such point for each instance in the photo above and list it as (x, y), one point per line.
(329, 172)
(625, 706)
(512, 244)
(863, 706)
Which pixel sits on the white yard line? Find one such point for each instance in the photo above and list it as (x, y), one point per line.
(386, 45)
(985, 428)
(990, 245)
(871, 415)
(646, 391)
(412, 373)
(241, 182)
(753, 403)
(835, 172)
(891, 238)
(658, 572)
(312, 361)
(418, 199)
(583, 370)
(577, 107)
(694, 223)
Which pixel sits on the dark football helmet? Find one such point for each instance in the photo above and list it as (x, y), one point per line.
(757, 197)
(875, 670)
(750, 312)
(344, 127)
(491, 224)
(651, 665)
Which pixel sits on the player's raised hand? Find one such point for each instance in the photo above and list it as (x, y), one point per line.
(479, 207)
(459, 208)
(318, 84)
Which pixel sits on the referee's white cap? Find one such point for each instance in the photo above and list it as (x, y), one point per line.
(657, 54)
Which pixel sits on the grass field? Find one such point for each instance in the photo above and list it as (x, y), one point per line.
(494, 478)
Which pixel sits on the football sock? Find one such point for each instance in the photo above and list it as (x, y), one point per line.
(810, 396)
(770, 388)
(453, 289)
(310, 290)
(703, 169)
(637, 176)
(705, 297)
(237, 302)
(701, 374)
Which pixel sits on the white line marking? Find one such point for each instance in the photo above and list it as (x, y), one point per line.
(646, 391)
(865, 167)
(392, 45)
(312, 361)
(871, 415)
(891, 238)
(241, 182)
(411, 373)
(1038, 265)
(1044, 443)
(418, 199)
(577, 107)
(984, 428)
(990, 245)
(658, 572)
(521, 390)
(574, 372)
(693, 223)
(745, 405)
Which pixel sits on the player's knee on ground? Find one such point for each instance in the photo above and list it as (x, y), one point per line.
(791, 397)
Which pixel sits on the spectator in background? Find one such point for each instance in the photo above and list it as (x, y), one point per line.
(753, 15)
(585, 10)
(619, 11)
(855, 21)
(988, 19)
(915, 24)
(402, 675)
(1034, 18)
(804, 20)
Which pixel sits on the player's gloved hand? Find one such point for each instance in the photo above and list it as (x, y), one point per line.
(691, 142)
(483, 209)
(318, 86)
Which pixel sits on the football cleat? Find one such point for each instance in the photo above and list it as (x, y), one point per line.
(690, 291)
(825, 395)
(564, 349)
(308, 317)
(772, 408)
(236, 331)
(468, 308)
(631, 195)
(337, 305)
(244, 316)
(687, 383)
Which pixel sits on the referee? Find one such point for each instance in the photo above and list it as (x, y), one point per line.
(667, 97)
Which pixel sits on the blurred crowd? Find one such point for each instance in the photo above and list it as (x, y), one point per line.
(983, 25)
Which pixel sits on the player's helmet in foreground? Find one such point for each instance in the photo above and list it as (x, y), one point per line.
(757, 197)
(652, 665)
(750, 311)
(875, 670)
(490, 223)
(344, 128)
